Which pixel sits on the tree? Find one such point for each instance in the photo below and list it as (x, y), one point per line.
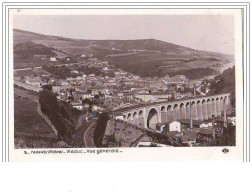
(100, 128)
(60, 114)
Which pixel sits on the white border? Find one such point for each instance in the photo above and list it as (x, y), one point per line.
(207, 153)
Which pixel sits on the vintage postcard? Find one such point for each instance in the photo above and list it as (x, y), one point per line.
(125, 84)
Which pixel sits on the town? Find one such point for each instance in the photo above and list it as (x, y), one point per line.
(105, 96)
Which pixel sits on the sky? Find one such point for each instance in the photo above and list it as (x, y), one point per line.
(202, 32)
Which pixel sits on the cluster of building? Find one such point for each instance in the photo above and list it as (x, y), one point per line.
(192, 133)
(109, 87)
(183, 132)
(95, 85)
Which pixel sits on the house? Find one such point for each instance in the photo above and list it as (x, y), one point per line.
(206, 125)
(80, 78)
(196, 123)
(103, 91)
(91, 75)
(105, 68)
(51, 81)
(95, 92)
(96, 108)
(86, 96)
(56, 89)
(173, 126)
(120, 95)
(44, 82)
(53, 59)
(135, 77)
(78, 105)
(86, 106)
(75, 72)
(34, 81)
(153, 96)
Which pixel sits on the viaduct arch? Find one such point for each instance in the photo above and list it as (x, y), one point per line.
(201, 108)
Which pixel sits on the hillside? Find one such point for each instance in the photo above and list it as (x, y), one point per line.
(136, 56)
(225, 82)
(62, 115)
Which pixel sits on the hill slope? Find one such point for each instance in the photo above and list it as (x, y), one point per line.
(225, 83)
(136, 56)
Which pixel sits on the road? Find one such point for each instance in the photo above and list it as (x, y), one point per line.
(84, 135)
(89, 137)
(26, 86)
(38, 67)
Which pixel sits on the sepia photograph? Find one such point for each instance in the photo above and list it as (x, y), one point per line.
(125, 97)
(122, 97)
(162, 82)
(124, 81)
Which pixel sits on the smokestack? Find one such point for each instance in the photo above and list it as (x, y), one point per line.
(190, 114)
(194, 91)
(213, 125)
(224, 113)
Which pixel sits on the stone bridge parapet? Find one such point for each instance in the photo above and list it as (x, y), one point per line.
(199, 108)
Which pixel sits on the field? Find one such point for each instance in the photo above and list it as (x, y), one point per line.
(30, 129)
(27, 119)
(144, 57)
(160, 64)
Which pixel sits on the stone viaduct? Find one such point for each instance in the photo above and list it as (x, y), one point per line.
(200, 108)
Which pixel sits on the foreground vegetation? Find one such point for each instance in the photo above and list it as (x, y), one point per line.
(225, 83)
(61, 114)
(100, 128)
